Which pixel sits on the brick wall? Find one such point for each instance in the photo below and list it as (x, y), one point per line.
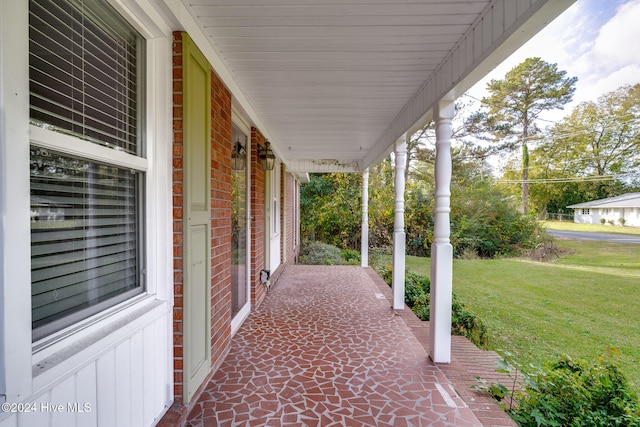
(257, 225)
(220, 224)
(178, 209)
(290, 215)
(221, 232)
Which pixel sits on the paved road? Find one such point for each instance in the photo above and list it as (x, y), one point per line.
(581, 235)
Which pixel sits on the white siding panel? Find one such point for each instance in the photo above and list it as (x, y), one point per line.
(86, 394)
(498, 21)
(11, 421)
(162, 371)
(137, 382)
(468, 51)
(487, 30)
(150, 375)
(523, 6)
(477, 42)
(38, 418)
(62, 395)
(123, 384)
(458, 64)
(106, 402)
(510, 13)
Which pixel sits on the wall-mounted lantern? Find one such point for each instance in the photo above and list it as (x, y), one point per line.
(238, 156)
(266, 157)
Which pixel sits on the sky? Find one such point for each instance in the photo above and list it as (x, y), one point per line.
(597, 41)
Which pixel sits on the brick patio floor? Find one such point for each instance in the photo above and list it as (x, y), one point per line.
(325, 349)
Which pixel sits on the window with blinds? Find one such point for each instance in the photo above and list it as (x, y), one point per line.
(86, 214)
(83, 71)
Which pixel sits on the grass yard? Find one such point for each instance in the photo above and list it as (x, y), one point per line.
(599, 228)
(578, 305)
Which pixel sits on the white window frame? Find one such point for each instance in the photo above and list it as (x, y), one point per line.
(26, 367)
(64, 143)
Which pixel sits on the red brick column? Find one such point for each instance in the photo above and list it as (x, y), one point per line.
(258, 237)
(221, 233)
(178, 209)
(283, 216)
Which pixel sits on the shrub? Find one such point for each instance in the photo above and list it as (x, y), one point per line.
(575, 393)
(622, 221)
(350, 256)
(486, 222)
(318, 253)
(603, 221)
(417, 290)
(570, 393)
(466, 323)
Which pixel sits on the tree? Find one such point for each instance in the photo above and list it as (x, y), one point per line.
(599, 138)
(593, 153)
(330, 209)
(516, 102)
(468, 157)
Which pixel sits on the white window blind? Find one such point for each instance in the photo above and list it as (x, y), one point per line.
(84, 235)
(85, 67)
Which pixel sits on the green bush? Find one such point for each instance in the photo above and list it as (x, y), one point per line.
(484, 220)
(577, 394)
(417, 290)
(318, 253)
(350, 256)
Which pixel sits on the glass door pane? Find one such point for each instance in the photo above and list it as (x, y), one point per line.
(239, 294)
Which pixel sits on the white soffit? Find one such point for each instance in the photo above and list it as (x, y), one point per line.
(337, 79)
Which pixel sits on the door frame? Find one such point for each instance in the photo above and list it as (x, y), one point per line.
(243, 125)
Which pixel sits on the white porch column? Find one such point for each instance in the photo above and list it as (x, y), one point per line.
(364, 238)
(398, 226)
(441, 249)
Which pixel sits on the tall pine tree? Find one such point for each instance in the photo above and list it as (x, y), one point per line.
(516, 102)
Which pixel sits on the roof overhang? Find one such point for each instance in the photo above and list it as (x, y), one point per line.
(334, 85)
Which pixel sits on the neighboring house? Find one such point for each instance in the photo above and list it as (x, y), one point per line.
(140, 222)
(616, 210)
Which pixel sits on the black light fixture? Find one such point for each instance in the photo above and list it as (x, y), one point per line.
(266, 157)
(238, 156)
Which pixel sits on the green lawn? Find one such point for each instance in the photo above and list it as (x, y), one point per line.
(572, 226)
(578, 305)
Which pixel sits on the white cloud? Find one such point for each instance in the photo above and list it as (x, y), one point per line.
(614, 58)
(618, 43)
(601, 84)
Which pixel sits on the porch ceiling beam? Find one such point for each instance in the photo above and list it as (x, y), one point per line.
(503, 27)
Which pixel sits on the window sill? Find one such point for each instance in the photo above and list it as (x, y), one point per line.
(52, 360)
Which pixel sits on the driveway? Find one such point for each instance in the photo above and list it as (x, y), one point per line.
(583, 235)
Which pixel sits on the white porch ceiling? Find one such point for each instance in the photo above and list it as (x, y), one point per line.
(338, 81)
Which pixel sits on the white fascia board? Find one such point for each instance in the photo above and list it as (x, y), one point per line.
(502, 28)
